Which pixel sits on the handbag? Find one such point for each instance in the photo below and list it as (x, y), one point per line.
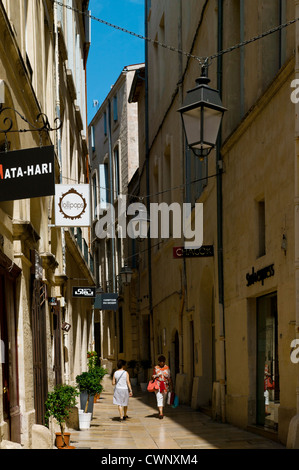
(170, 398)
(152, 385)
(270, 384)
(175, 402)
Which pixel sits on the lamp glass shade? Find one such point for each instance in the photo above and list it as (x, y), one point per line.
(126, 275)
(202, 126)
(202, 113)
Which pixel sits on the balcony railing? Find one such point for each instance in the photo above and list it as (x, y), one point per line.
(82, 244)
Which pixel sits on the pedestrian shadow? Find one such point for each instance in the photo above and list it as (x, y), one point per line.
(154, 415)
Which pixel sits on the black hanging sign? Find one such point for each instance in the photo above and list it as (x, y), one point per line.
(107, 301)
(27, 173)
(85, 292)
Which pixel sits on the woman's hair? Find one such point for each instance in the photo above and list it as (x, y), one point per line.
(161, 358)
(121, 363)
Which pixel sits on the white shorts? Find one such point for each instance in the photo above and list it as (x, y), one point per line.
(266, 395)
(161, 398)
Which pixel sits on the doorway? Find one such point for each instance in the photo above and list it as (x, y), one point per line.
(4, 353)
(8, 349)
(39, 342)
(268, 390)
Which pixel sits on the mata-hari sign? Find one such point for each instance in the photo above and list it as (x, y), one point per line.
(27, 173)
(72, 205)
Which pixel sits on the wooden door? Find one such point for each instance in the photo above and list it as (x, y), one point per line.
(39, 346)
(57, 343)
(4, 353)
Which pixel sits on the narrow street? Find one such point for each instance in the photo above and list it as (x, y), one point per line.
(181, 428)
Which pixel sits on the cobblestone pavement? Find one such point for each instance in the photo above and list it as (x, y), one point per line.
(181, 428)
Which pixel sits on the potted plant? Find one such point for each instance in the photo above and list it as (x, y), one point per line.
(58, 405)
(100, 372)
(89, 384)
(133, 365)
(93, 366)
(92, 359)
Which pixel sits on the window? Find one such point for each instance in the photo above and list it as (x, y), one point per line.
(196, 176)
(116, 173)
(104, 191)
(95, 199)
(261, 229)
(92, 143)
(115, 111)
(105, 123)
(267, 401)
(121, 330)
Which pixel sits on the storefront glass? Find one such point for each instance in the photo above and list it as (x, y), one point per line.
(267, 362)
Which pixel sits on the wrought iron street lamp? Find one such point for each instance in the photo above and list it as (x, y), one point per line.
(126, 275)
(202, 113)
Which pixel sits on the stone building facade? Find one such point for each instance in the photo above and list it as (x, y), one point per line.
(224, 322)
(113, 143)
(43, 53)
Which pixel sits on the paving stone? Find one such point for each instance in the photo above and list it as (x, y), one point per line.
(181, 428)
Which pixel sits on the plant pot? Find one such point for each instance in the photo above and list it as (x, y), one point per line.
(96, 397)
(143, 386)
(133, 381)
(59, 440)
(84, 420)
(83, 400)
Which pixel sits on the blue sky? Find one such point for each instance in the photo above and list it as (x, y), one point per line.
(111, 50)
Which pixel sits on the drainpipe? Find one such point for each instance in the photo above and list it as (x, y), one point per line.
(220, 229)
(183, 146)
(112, 218)
(149, 254)
(58, 133)
(58, 143)
(293, 432)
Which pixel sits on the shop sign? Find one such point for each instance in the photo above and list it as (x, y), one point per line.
(52, 300)
(84, 292)
(260, 275)
(204, 251)
(106, 301)
(27, 173)
(66, 326)
(72, 205)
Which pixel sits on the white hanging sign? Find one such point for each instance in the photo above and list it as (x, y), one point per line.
(72, 205)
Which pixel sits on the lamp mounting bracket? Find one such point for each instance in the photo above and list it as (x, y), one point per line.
(41, 123)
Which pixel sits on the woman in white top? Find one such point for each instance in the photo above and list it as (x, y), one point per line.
(123, 389)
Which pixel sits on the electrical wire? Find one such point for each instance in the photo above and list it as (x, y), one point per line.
(201, 60)
(141, 198)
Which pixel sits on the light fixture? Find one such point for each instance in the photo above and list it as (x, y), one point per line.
(99, 290)
(202, 113)
(126, 275)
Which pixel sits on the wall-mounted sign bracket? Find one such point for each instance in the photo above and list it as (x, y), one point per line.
(41, 123)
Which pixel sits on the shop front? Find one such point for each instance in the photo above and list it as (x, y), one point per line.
(267, 390)
(10, 415)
